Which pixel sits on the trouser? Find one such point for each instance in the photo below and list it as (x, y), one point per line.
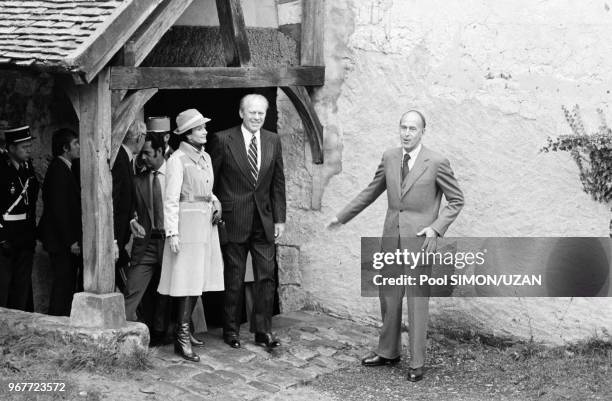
(141, 289)
(390, 340)
(66, 277)
(121, 267)
(234, 258)
(16, 277)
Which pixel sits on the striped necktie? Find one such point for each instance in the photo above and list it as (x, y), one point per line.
(253, 157)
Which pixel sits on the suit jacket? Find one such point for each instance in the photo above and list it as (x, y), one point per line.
(60, 224)
(414, 203)
(144, 210)
(123, 198)
(240, 196)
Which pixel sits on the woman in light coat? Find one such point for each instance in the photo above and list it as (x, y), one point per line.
(192, 261)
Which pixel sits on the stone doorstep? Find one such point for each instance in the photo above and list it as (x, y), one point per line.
(122, 339)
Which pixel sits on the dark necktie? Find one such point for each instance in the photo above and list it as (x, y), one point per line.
(405, 168)
(253, 157)
(158, 205)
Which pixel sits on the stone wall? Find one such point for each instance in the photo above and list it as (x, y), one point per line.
(490, 78)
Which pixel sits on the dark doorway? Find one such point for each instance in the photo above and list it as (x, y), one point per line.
(221, 106)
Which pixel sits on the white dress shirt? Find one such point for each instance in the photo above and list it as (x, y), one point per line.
(247, 135)
(414, 153)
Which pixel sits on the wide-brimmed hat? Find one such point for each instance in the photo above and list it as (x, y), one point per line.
(17, 135)
(189, 119)
(158, 124)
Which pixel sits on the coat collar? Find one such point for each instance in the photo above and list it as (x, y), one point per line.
(420, 166)
(192, 152)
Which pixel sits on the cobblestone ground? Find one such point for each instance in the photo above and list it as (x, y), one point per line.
(313, 344)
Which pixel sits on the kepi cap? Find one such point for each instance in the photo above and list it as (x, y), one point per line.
(158, 124)
(189, 119)
(17, 135)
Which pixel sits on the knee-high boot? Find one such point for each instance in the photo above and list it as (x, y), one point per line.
(194, 341)
(182, 343)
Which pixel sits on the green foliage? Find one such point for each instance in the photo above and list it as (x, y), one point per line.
(591, 152)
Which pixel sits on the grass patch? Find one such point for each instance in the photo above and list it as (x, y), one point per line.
(20, 352)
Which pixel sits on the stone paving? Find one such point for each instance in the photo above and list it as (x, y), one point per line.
(312, 344)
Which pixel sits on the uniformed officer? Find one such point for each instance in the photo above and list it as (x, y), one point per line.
(18, 194)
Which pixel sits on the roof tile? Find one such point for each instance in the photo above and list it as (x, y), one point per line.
(47, 31)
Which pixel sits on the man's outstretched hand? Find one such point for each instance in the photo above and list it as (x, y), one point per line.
(333, 224)
(431, 239)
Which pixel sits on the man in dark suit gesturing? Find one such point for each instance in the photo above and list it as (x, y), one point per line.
(60, 224)
(250, 183)
(415, 179)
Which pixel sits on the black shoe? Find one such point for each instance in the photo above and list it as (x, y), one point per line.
(194, 341)
(266, 339)
(414, 375)
(232, 341)
(377, 360)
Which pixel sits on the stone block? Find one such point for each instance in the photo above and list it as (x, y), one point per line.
(98, 310)
(288, 259)
(269, 387)
(292, 298)
(126, 339)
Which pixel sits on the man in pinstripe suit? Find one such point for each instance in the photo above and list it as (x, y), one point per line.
(250, 183)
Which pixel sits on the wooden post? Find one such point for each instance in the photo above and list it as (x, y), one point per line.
(233, 33)
(96, 184)
(313, 27)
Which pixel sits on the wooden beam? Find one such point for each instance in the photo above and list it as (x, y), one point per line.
(313, 27)
(96, 185)
(233, 33)
(124, 116)
(214, 77)
(93, 54)
(72, 92)
(312, 126)
(116, 98)
(151, 31)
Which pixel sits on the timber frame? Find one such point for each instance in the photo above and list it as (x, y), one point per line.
(108, 89)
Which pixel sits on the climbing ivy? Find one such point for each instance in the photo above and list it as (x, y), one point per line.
(591, 152)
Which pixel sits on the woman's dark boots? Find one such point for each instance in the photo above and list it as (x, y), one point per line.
(182, 341)
(194, 341)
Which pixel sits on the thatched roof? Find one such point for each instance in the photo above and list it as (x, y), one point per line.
(191, 46)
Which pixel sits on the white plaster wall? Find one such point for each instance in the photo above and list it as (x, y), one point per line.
(491, 78)
(257, 13)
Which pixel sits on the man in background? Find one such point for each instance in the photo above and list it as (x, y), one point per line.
(18, 194)
(123, 195)
(60, 225)
(148, 229)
